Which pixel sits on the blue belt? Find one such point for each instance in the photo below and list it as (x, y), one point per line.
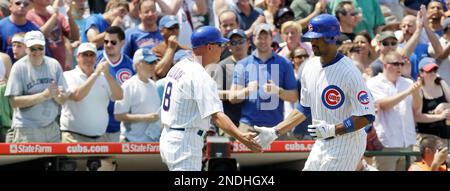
(199, 133)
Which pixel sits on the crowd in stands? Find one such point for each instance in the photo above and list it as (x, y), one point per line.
(93, 71)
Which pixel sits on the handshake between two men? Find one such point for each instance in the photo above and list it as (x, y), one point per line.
(318, 130)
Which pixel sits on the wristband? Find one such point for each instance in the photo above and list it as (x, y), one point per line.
(349, 126)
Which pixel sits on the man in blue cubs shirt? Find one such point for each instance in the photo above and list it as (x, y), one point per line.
(15, 23)
(262, 81)
(94, 31)
(120, 67)
(146, 34)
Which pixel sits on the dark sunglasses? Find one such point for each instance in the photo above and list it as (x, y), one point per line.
(353, 13)
(113, 42)
(397, 63)
(393, 43)
(237, 42)
(33, 49)
(218, 44)
(24, 3)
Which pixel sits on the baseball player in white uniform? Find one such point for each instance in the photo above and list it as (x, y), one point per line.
(334, 93)
(190, 102)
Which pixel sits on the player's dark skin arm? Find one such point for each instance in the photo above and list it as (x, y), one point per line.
(225, 123)
(359, 121)
(296, 117)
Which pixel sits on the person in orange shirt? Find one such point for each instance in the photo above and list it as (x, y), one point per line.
(433, 155)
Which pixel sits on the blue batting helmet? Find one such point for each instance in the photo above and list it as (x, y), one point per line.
(205, 35)
(323, 25)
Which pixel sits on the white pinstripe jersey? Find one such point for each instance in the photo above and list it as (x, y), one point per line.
(190, 96)
(335, 92)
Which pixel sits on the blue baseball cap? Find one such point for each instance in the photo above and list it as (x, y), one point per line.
(427, 64)
(238, 32)
(144, 54)
(168, 21)
(205, 35)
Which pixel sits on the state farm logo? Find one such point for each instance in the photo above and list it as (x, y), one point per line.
(139, 148)
(125, 147)
(13, 148)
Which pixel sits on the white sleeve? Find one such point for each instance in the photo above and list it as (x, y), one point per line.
(124, 105)
(207, 96)
(359, 95)
(377, 91)
(304, 93)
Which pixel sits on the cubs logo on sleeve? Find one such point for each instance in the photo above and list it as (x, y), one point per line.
(363, 97)
(333, 97)
(123, 75)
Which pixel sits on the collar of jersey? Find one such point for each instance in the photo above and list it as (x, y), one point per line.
(268, 60)
(109, 61)
(334, 61)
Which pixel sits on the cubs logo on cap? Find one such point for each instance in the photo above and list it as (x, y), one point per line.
(123, 75)
(363, 97)
(333, 97)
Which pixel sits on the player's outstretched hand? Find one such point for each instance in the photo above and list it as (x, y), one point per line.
(249, 135)
(266, 135)
(321, 130)
(250, 142)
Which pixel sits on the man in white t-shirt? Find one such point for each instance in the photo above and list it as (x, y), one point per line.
(138, 111)
(396, 99)
(84, 117)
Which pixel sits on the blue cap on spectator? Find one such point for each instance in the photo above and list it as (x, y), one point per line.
(168, 21)
(238, 32)
(427, 64)
(144, 54)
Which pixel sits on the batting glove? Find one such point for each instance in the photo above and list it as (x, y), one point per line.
(266, 136)
(321, 130)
